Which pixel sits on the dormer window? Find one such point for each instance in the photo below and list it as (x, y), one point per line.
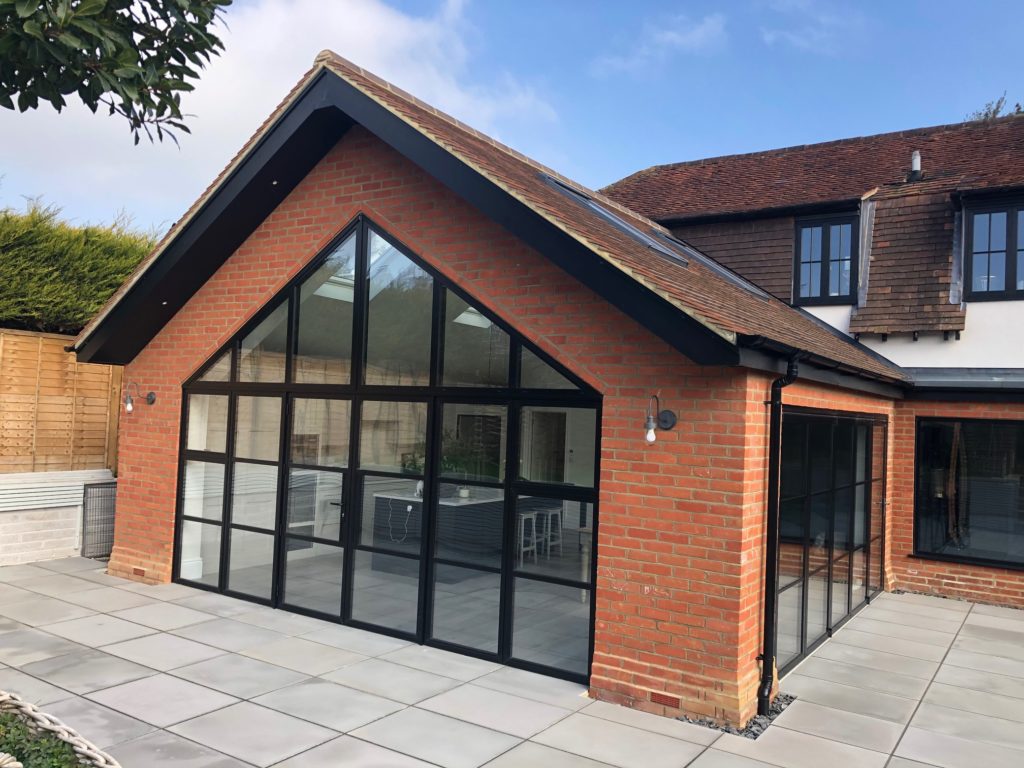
(825, 268)
(995, 252)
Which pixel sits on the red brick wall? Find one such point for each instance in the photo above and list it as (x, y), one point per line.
(679, 542)
(971, 582)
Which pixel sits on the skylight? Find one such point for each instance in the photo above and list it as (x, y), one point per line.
(713, 265)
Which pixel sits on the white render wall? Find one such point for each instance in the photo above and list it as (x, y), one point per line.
(31, 535)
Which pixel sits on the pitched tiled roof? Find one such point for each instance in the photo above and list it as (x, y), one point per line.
(973, 155)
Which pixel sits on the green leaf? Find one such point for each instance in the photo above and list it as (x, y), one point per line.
(25, 8)
(90, 7)
(5, 101)
(32, 28)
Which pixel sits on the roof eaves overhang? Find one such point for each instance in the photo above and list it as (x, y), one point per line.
(803, 209)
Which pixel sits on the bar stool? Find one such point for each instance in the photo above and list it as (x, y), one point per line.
(552, 530)
(527, 544)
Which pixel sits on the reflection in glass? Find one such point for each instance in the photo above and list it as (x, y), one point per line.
(398, 318)
(262, 356)
(790, 623)
(385, 590)
(551, 625)
(557, 445)
(251, 563)
(858, 578)
(314, 503)
(220, 370)
(840, 589)
(534, 373)
(207, 423)
(320, 432)
(475, 349)
(792, 532)
(391, 516)
(254, 495)
(313, 576)
(393, 436)
(473, 442)
(258, 428)
(200, 552)
(470, 524)
(323, 352)
(203, 494)
(466, 607)
(554, 537)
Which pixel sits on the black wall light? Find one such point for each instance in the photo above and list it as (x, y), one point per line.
(657, 418)
(129, 401)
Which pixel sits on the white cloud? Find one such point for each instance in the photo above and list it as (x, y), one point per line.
(658, 42)
(87, 164)
(811, 26)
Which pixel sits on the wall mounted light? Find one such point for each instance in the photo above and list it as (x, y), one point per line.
(129, 401)
(657, 419)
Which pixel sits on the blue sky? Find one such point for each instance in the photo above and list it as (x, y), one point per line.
(595, 89)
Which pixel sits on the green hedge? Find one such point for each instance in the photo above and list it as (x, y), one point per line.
(55, 276)
(34, 751)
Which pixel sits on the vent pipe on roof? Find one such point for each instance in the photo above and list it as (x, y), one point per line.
(915, 166)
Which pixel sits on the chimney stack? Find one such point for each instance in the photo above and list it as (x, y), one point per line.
(915, 166)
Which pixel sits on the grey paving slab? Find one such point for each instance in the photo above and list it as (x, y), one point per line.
(530, 685)
(529, 754)
(303, 655)
(887, 613)
(440, 662)
(1004, 648)
(392, 681)
(239, 675)
(496, 710)
(848, 698)
(9, 625)
(847, 727)
(792, 749)
(898, 646)
(102, 578)
(30, 688)
(160, 591)
(1002, 634)
(163, 652)
(982, 702)
(353, 753)
(228, 634)
(286, 623)
(161, 748)
(356, 640)
(329, 704)
(162, 700)
(102, 726)
(436, 738)
(713, 758)
(107, 599)
(9, 593)
(887, 629)
(617, 744)
(87, 671)
(902, 762)
(969, 725)
(981, 681)
(905, 599)
(97, 630)
(945, 751)
(863, 677)
(1016, 614)
(881, 660)
(985, 663)
(667, 726)
(218, 605)
(39, 609)
(23, 646)
(164, 616)
(12, 574)
(1000, 622)
(254, 734)
(56, 585)
(69, 564)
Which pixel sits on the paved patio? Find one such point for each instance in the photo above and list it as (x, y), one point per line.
(168, 675)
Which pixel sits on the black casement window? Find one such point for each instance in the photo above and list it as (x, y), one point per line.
(825, 269)
(995, 252)
(969, 499)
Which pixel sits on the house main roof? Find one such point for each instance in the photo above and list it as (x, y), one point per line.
(705, 311)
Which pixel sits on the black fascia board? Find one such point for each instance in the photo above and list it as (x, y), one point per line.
(847, 205)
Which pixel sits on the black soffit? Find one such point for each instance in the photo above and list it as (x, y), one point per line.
(298, 140)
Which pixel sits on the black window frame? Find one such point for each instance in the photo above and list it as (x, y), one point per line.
(826, 222)
(1012, 207)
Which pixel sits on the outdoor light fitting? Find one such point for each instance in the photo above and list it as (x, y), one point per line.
(657, 419)
(129, 401)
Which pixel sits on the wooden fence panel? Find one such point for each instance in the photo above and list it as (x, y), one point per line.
(56, 414)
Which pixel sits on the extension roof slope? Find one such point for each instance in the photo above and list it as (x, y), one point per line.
(963, 156)
(720, 309)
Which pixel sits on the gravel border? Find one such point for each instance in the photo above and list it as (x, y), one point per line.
(758, 723)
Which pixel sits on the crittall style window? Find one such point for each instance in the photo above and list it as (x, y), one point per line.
(995, 252)
(825, 269)
(969, 499)
(831, 524)
(375, 449)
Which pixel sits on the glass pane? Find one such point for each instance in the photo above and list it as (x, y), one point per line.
(834, 247)
(324, 344)
(254, 495)
(313, 576)
(815, 244)
(979, 272)
(1020, 263)
(558, 445)
(320, 432)
(859, 574)
(833, 278)
(844, 278)
(819, 451)
(843, 435)
(805, 244)
(997, 232)
(843, 512)
(805, 280)
(385, 590)
(790, 623)
(862, 452)
(207, 423)
(262, 357)
(815, 280)
(845, 241)
(534, 373)
(200, 552)
(470, 524)
(203, 492)
(840, 589)
(554, 537)
(473, 442)
(860, 515)
(794, 452)
(997, 271)
(792, 535)
(980, 232)
(391, 514)
(314, 503)
(817, 564)
(258, 428)
(220, 370)
(399, 318)
(251, 563)
(466, 607)
(551, 625)
(475, 349)
(393, 436)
